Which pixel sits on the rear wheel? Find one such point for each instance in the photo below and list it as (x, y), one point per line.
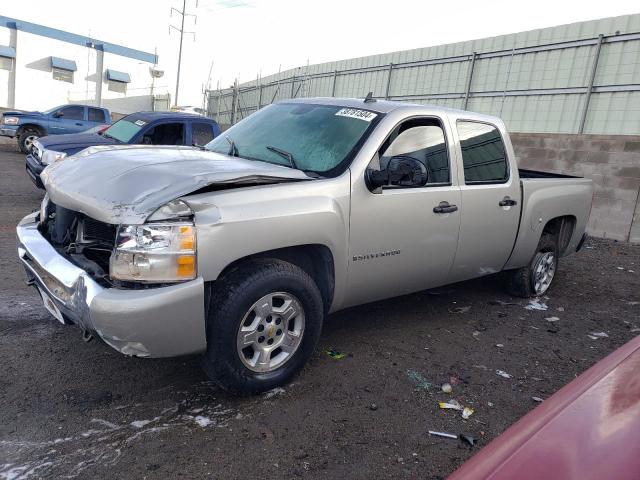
(26, 139)
(264, 322)
(535, 278)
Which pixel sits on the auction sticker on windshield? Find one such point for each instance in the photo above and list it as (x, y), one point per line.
(355, 113)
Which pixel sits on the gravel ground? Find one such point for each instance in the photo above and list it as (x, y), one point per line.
(81, 410)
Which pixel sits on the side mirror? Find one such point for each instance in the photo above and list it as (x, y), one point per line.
(401, 171)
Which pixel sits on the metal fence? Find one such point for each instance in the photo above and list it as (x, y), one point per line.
(588, 85)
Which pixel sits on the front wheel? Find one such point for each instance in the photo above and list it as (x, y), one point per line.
(26, 139)
(535, 278)
(264, 322)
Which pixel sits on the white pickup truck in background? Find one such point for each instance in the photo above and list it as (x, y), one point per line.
(240, 250)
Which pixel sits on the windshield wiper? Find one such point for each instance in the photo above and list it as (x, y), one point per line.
(233, 150)
(285, 154)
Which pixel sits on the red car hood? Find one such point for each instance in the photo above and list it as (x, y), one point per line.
(588, 430)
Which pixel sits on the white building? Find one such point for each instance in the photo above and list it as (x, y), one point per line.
(42, 67)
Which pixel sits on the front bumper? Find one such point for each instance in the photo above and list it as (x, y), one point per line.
(34, 169)
(9, 130)
(157, 322)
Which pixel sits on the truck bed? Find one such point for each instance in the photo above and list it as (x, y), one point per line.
(525, 173)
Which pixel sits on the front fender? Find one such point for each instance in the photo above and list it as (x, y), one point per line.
(235, 224)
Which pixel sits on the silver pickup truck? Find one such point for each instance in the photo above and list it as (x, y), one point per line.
(240, 249)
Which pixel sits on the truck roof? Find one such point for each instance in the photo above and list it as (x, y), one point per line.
(387, 106)
(152, 116)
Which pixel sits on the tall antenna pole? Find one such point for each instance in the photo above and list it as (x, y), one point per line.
(184, 6)
(183, 13)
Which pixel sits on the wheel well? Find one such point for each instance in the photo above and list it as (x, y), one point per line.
(316, 260)
(563, 228)
(35, 127)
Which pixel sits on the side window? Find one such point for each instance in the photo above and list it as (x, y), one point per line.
(483, 153)
(96, 115)
(423, 140)
(201, 133)
(164, 134)
(74, 112)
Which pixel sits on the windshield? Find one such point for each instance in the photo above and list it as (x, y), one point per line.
(124, 130)
(316, 138)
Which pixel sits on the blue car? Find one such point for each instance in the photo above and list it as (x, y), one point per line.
(29, 126)
(143, 128)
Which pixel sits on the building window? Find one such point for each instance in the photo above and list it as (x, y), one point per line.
(117, 81)
(119, 87)
(6, 63)
(62, 75)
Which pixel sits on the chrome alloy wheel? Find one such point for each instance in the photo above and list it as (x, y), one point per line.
(270, 332)
(28, 142)
(543, 272)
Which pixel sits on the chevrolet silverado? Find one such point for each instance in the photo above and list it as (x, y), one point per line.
(238, 250)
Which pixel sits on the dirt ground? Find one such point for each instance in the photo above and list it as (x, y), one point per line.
(81, 410)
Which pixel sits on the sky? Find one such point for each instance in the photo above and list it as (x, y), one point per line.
(243, 38)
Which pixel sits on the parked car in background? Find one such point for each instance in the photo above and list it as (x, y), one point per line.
(588, 430)
(189, 109)
(29, 126)
(308, 206)
(147, 128)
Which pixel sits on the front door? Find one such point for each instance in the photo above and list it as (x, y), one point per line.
(490, 201)
(398, 243)
(70, 119)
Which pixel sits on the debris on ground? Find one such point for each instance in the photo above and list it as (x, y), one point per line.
(446, 388)
(499, 345)
(552, 319)
(468, 439)
(459, 310)
(454, 380)
(467, 412)
(476, 334)
(419, 380)
(560, 309)
(451, 405)
(536, 304)
(597, 335)
(537, 399)
(373, 407)
(503, 374)
(635, 330)
(336, 355)
(490, 404)
(273, 392)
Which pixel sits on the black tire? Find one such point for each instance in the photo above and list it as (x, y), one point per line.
(521, 282)
(27, 136)
(231, 299)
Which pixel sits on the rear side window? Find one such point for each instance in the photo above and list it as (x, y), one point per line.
(201, 133)
(483, 153)
(96, 115)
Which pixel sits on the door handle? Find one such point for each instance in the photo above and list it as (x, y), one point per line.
(507, 202)
(445, 207)
(79, 124)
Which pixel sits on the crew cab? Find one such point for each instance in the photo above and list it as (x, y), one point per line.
(29, 126)
(146, 128)
(239, 251)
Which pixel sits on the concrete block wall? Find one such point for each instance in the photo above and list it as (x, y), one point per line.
(611, 161)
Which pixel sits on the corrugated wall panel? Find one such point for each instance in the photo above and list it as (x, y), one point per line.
(541, 89)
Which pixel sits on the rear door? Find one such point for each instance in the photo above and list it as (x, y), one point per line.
(490, 199)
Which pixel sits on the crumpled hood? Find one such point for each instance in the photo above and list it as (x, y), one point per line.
(74, 142)
(126, 184)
